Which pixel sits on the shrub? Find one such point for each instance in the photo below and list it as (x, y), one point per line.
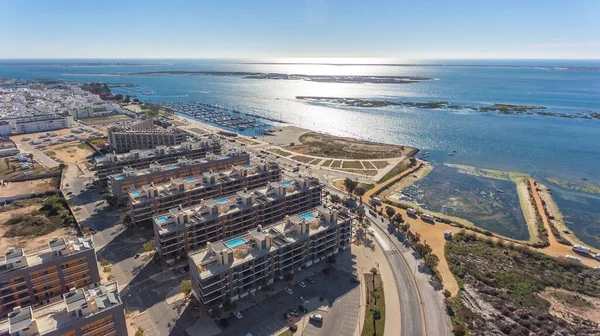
(139, 331)
(293, 328)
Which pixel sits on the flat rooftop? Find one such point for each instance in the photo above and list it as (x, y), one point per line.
(140, 195)
(46, 253)
(57, 315)
(167, 222)
(180, 164)
(244, 247)
(137, 154)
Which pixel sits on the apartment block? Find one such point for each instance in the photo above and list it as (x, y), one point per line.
(229, 270)
(131, 178)
(93, 312)
(111, 164)
(41, 275)
(142, 135)
(37, 123)
(151, 200)
(183, 230)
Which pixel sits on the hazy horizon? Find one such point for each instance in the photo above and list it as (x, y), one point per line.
(313, 28)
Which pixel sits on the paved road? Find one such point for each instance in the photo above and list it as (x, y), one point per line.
(422, 301)
(42, 158)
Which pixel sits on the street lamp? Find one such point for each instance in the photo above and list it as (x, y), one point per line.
(304, 317)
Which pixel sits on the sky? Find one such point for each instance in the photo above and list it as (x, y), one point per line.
(312, 28)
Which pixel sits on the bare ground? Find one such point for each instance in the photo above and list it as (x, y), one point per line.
(571, 312)
(29, 187)
(528, 210)
(27, 243)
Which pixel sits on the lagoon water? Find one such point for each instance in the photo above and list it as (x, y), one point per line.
(546, 147)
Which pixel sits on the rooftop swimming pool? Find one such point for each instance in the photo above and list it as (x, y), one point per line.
(286, 184)
(161, 219)
(136, 193)
(171, 167)
(235, 242)
(191, 180)
(307, 216)
(120, 177)
(248, 167)
(223, 201)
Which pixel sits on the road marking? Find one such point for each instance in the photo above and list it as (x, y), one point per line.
(383, 242)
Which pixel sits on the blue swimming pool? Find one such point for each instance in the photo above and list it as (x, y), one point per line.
(222, 201)
(120, 177)
(136, 193)
(248, 167)
(307, 216)
(171, 168)
(191, 180)
(161, 219)
(286, 184)
(235, 242)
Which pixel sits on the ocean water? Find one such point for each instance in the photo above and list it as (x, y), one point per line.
(546, 147)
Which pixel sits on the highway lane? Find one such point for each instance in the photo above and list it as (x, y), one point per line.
(411, 312)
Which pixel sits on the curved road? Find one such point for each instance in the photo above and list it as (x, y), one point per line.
(411, 313)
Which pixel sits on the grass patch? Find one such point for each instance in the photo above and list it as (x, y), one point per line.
(99, 141)
(83, 145)
(399, 168)
(588, 188)
(336, 164)
(352, 165)
(53, 215)
(380, 164)
(374, 322)
(278, 151)
(327, 163)
(360, 171)
(573, 300)
(303, 159)
(368, 165)
(51, 154)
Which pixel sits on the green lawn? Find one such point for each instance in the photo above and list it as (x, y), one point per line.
(352, 165)
(370, 326)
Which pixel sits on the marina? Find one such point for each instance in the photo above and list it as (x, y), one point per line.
(221, 116)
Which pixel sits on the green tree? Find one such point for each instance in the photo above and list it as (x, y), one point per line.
(139, 331)
(7, 161)
(288, 276)
(360, 191)
(185, 287)
(119, 96)
(390, 212)
(374, 272)
(431, 260)
(375, 295)
(148, 246)
(127, 99)
(126, 219)
(335, 199)
(14, 168)
(350, 185)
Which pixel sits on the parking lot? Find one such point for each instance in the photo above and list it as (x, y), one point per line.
(339, 318)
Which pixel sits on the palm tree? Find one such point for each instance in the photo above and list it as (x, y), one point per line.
(375, 295)
(374, 273)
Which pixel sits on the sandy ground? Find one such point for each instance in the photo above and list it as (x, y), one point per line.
(570, 312)
(528, 210)
(69, 152)
(27, 243)
(28, 187)
(61, 132)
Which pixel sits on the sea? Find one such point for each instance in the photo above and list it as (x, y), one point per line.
(547, 147)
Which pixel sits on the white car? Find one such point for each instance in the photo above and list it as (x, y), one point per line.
(316, 317)
(238, 315)
(301, 284)
(289, 290)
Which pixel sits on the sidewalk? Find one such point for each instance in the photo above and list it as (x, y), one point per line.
(363, 259)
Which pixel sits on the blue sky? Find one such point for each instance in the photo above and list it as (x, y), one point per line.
(311, 28)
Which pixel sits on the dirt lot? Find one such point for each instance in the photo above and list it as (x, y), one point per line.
(69, 152)
(28, 187)
(27, 243)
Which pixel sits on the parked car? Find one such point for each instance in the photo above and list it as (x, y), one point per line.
(137, 255)
(310, 280)
(289, 290)
(301, 284)
(238, 315)
(316, 317)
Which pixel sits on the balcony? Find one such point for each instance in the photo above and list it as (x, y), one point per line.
(91, 330)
